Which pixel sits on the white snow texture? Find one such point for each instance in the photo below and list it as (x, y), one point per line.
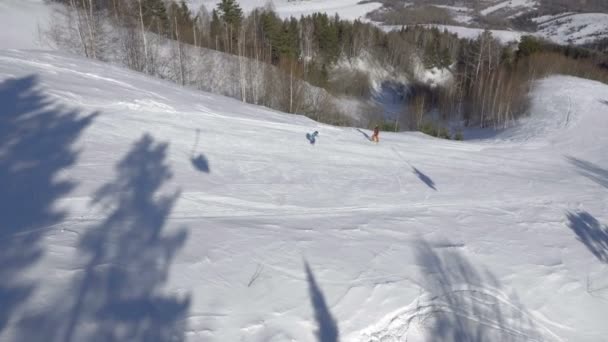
(135, 210)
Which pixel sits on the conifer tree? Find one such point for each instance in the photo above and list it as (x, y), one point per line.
(230, 12)
(232, 15)
(155, 16)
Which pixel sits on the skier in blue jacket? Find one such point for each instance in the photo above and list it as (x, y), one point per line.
(312, 137)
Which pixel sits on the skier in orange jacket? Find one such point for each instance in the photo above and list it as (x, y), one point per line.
(375, 136)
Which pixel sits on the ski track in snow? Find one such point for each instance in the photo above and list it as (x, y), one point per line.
(395, 326)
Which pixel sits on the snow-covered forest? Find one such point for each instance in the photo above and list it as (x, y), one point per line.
(322, 66)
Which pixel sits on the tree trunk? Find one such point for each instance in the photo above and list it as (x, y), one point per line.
(89, 19)
(291, 86)
(81, 35)
(179, 53)
(143, 34)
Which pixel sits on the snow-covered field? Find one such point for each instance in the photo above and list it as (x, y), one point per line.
(346, 9)
(472, 33)
(510, 5)
(503, 36)
(563, 29)
(572, 28)
(460, 14)
(135, 210)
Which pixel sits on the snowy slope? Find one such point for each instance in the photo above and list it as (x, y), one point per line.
(346, 9)
(135, 210)
(460, 14)
(556, 119)
(503, 36)
(472, 33)
(21, 21)
(509, 6)
(572, 28)
(564, 29)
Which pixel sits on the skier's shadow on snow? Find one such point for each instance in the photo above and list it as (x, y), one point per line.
(364, 134)
(37, 138)
(200, 163)
(590, 170)
(125, 260)
(424, 178)
(327, 328)
(604, 102)
(590, 232)
(461, 302)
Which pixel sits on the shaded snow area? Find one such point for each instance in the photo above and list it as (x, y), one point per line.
(346, 9)
(377, 72)
(387, 86)
(135, 210)
(571, 28)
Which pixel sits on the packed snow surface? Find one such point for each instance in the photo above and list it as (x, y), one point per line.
(23, 22)
(135, 210)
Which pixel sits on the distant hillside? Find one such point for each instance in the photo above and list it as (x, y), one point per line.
(565, 22)
(571, 28)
